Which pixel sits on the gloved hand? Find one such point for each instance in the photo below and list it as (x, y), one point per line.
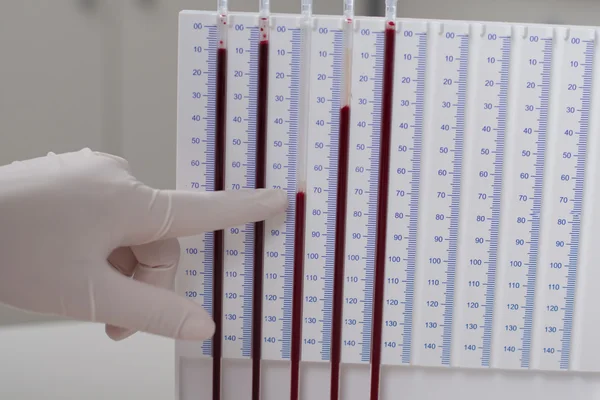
(80, 237)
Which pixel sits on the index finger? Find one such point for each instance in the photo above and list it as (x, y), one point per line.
(166, 214)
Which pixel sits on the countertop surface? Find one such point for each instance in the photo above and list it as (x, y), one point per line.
(78, 361)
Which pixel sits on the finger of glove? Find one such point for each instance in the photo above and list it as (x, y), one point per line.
(137, 306)
(157, 277)
(157, 267)
(163, 214)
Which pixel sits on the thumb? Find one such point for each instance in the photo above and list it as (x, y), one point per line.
(155, 264)
(136, 306)
(166, 214)
(158, 277)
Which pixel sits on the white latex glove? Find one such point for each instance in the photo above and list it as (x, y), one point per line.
(75, 227)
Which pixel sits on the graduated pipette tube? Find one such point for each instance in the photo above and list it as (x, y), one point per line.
(261, 183)
(382, 199)
(222, 10)
(341, 203)
(300, 222)
(220, 144)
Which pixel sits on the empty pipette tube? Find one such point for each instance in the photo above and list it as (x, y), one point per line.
(348, 43)
(390, 10)
(307, 9)
(222, 10)
(264, 14)
(264, 8)
(349, 9)
(222, 7)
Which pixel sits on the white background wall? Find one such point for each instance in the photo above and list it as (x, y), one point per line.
(102, 74)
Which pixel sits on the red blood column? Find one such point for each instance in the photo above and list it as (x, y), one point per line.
(382, 206)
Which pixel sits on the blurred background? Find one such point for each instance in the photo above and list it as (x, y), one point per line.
(102, 74)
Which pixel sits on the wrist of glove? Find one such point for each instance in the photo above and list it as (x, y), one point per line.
(82, 238)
